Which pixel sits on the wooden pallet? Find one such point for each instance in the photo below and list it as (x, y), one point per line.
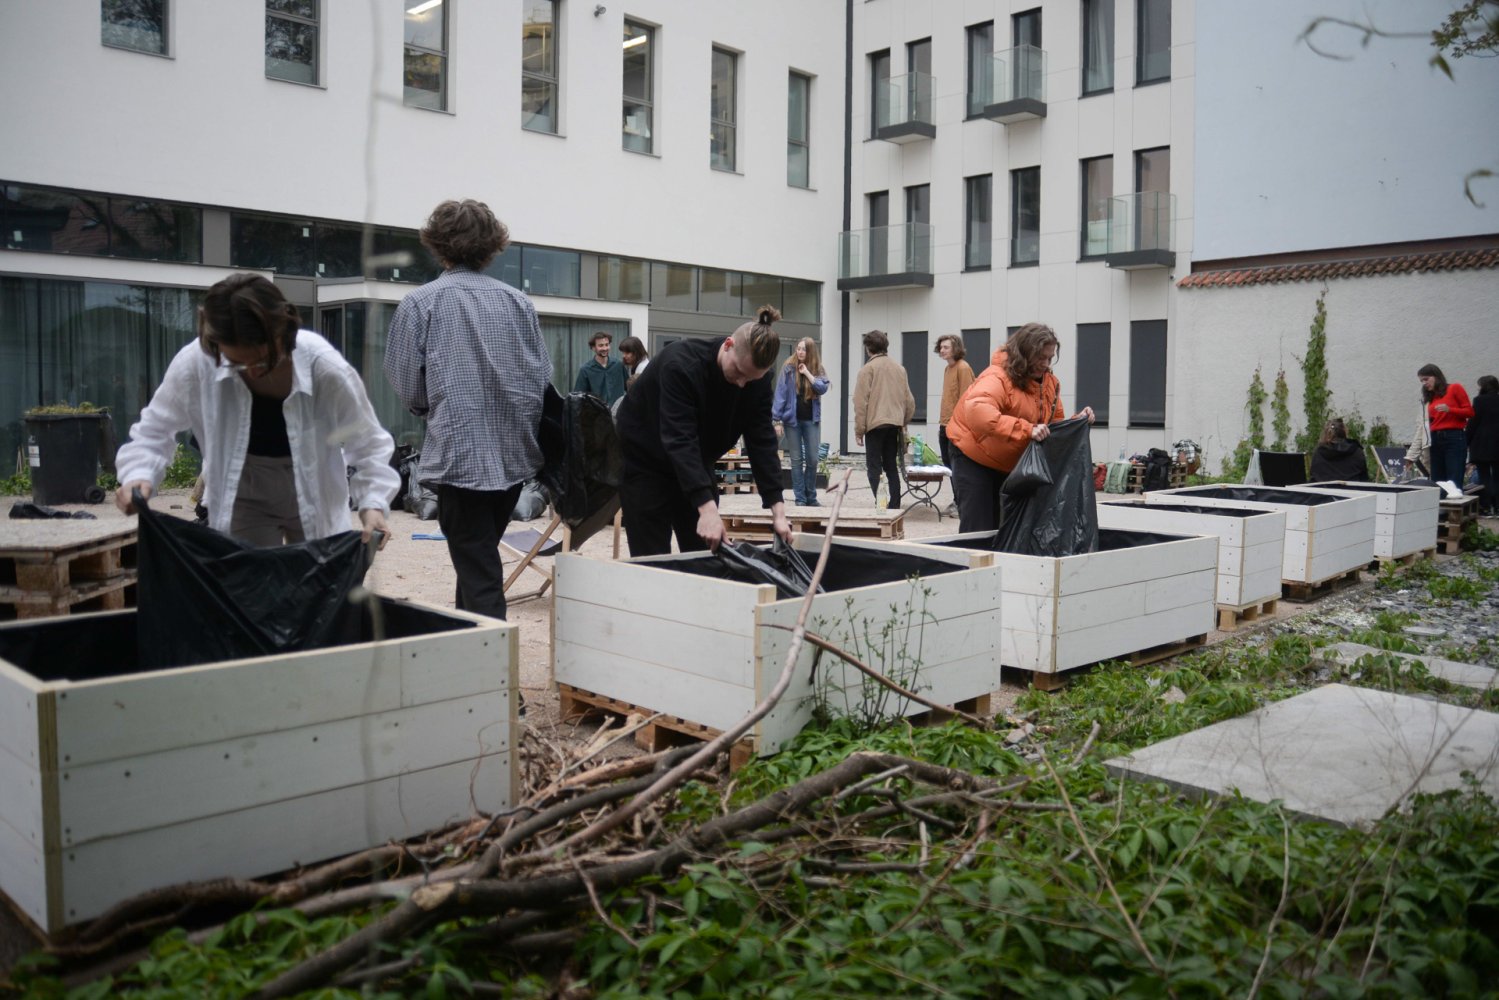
(757, 526)
(1301, 593)
(979, 705)
(1152, 654)
(1136, 483)
(54, 567)
(662, 733)
(1409, 559)
(1229, 616)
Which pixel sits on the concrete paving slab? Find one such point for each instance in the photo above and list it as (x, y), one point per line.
(1339, 753)
(1471, 675)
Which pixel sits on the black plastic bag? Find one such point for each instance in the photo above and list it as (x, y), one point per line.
(205, 597)
(1060, 519)
(531, 502)
(1157, 471)
(1030, 474)
(581, 459)
(780, 565)
(35, 511)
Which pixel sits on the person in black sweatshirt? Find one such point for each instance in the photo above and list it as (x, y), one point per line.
(1337, 457)
(684, 411)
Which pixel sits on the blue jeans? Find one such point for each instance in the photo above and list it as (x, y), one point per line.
(1449, 453)
(801, 447)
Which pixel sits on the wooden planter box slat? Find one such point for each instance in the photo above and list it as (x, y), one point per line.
(1322, 541)
(1058, 613)
(113, 785)
(1405, 517)
(708, 650)
(1250, 543)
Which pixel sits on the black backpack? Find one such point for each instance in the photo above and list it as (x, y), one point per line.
(1157, 470)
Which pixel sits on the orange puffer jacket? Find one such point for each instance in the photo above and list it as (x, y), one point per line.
(992, 422)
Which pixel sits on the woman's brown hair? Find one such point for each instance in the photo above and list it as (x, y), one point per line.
(1335, 430)
(1441, 384)
(757, 340)
(464, 234)
(959, 352)
(1024, 347)
(875, 342)
(247, 310)
(814, 365)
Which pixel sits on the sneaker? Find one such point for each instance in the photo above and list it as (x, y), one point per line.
(813, 503)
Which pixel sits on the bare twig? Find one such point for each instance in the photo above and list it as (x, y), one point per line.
(1280, 906)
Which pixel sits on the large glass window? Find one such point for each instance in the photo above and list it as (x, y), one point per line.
(979, 46)
(1153, 169)
(108, 226)
(673, 287)
(291, 40)
(919, 228)
(1098, 188)
(719, 292)
(976, 346)
(1093, 370)
(978, 227)
(798, 130)
(913, 355)
(639, 87)
(879, 90)
(723, 141)
(878, 207)
(272, 243)
(339, 250)
(801, 301)
(1152, 40)
(550, 272)
(1098, 46)
(134, 24)
(1147, 373)
(426, 67)
(539, 105)
(1025, 216)
(622, 279)
(760, 290)
(399, 256)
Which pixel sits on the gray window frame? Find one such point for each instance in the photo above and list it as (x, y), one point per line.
(163, 31)
(316, 23)
(914, 350)
(444, 60)
(793, 78)
(978, 51)
(646, 102)
(1015, 214)
(1149, 358)
(1084, 196)
(540, 79)
(720, 124)
(1091, 377)
(1107, 62)
(1162, 9)
(971, 200)
(977, 346)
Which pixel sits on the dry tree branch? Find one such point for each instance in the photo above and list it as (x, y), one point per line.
(1280, 906)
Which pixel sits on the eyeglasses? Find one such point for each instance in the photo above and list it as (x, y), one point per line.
(254, 368)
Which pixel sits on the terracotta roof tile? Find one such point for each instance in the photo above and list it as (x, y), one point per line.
(1445, 260)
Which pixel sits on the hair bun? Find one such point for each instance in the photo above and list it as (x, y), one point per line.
(767, 315)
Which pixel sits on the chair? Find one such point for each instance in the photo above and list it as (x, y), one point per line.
(1283, 468)
(923, 483)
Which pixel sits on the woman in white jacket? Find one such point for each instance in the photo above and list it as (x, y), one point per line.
(279, 415)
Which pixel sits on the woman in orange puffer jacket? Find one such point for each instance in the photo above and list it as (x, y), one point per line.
(1005, 409)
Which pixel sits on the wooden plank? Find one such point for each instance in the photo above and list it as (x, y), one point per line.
(723, 605)
(63, 535)
(1101, 570)
(1116, 640)
(18, 713)
(810, 545)
(23, 875)
(21, 793)
(663, 689)
(159, 789)
(269, 838)
(440, 666)
(1231, 530)
(680, 645)
(1331, 562)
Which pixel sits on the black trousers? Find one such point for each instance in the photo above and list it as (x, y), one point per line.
(946, 448)
(1488, 475)
(881, 449)
(655, 509)
(977, 489)
(474, 521)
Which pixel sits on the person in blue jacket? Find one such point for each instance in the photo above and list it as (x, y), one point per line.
(797, 411)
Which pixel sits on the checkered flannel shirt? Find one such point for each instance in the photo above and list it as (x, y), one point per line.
(465, 351)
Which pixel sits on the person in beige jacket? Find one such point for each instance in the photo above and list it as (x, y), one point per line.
(883, 405)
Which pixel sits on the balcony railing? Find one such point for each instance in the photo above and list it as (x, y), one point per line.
(1017, 85)
(885, 257)
(903, 108)
(1142, 230)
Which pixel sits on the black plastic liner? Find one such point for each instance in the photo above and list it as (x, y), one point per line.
(1196, 509)
(1371, 487)
(1060, 518)
(847, 568)
(781, 566)
(90, 647)
(1258, 494)
(582, 462)
(1109, 539)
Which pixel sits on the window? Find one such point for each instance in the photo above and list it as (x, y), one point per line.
(719, 292)
(291, 40)
(980, 48)
(801, 301)
(1098, 46)
(639, 87)
(271, 242)
(976, 345)
(879, 92)
(918, 228)
(1153, 169)
(798, 130)
(1093, 370)
(1025, 216)
(977, 224)
(760, 290)
(913, 354)
(1098, 188)
(134, 24)
(426, 66)
(538, 67)
(622, 279)
(1147, 373)
(721, 99)
(673, 286)
(919, 82)
(878, 203)
(1028, 65)
(1152, 41)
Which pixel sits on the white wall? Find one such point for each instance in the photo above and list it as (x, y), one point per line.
(1379, 331)
(1297, 151)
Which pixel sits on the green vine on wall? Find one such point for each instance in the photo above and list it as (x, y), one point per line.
(1235, 465)
(1315, 394)
(1280, 412)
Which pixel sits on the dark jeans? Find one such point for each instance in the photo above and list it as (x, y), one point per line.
(945, 446)
(1449, 453)
(881, 449)
(655, 509)
(474, 521)
(1488, 475)
(977, 489)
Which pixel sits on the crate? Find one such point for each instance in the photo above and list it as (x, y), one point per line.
(52, 568)
(1136, 484)
(669, 634)
(1405, 517)
(114, 782)
(743, 518)
(1456, 514)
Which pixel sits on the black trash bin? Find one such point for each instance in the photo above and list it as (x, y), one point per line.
(69, 450)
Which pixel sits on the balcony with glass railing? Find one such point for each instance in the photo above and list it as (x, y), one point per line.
(903, 108)
(1017, 85)
(1142, 230)
(885, 257)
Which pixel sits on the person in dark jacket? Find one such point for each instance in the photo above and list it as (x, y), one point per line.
(601, 375)
(695, 400)
(1483, 443)
(1337, 457)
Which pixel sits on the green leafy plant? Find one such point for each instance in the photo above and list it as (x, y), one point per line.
(1315, 394)
(182, 473)
(65, 409)
(1477, 538)
(1280, 412)
(1235, 465)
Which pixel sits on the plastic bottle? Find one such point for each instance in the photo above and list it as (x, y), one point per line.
(882, 496)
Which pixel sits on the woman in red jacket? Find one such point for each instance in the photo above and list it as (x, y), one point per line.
(1005, 409)
(1447, 412)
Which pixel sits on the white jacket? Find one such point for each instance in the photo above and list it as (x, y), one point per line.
(329, 422)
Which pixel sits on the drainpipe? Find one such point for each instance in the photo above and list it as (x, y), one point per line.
(848, 213)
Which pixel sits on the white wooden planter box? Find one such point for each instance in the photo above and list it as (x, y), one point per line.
(654, 633)
(1405, 517)
(1326, 535)
(1061, 612)
(1250, 542)
(113, 783)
